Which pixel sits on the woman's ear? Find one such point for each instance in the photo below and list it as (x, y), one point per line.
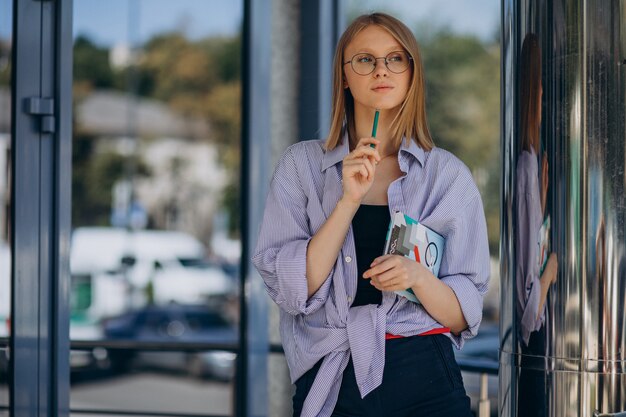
(345, 83)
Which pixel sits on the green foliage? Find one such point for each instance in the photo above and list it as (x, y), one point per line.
(93, 177)
(463, 107)
(199, 79)
(5, 63)
(226, 56)
(178, 68)
(202, 79)
(91, 64)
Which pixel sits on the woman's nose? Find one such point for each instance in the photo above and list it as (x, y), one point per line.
(380, 70)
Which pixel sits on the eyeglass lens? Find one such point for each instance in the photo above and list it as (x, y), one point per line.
(365, 64)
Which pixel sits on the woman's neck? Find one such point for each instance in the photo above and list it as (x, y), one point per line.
(364, 120)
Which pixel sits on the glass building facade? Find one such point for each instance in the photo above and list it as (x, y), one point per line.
(137, 139)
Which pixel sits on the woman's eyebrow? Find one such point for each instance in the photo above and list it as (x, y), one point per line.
(371, 51)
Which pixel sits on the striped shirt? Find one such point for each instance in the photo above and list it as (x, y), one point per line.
(437, 189)
(529, 217)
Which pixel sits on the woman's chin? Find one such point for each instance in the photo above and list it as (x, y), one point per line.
(382, 105)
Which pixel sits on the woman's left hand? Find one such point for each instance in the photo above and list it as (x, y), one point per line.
(394, 273)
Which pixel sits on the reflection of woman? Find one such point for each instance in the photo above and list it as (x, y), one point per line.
(532, 288)
(353, 346)
(532, 285)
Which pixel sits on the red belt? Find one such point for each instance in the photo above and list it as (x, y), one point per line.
(439, 330)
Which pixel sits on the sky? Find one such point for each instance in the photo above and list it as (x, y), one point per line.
(476, 17)
(106, 22)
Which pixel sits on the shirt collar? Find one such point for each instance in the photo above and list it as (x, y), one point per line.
(337, 154)
(342, 149)
(414, 149)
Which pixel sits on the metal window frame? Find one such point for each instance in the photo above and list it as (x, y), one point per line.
(321, 25)
(40, 209)
(251, 379)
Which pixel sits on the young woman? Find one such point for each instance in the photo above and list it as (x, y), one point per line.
(353, 346)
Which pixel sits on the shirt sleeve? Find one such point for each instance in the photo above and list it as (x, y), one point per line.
(465, 267)
(280, 254)
(529, 287)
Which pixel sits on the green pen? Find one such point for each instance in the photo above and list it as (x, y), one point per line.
(374, 127)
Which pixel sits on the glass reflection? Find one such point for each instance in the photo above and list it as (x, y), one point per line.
(536, 266)
(6, 28)
(155, 242)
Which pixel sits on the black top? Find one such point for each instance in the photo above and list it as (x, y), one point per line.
(370, 225)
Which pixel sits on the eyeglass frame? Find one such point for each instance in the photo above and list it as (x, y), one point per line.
(376, 62)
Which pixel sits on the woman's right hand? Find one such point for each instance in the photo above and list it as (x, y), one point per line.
(552, 266)
(359, 167)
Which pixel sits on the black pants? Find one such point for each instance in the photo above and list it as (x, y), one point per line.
(532, 394)
(421, 378)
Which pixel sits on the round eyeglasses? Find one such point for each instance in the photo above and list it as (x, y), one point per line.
(364, 64)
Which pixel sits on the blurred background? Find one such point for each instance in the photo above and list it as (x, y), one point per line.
(157, 180)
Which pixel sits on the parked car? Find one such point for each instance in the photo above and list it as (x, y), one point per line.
(174, 323)
(88, 359)
(484, 348)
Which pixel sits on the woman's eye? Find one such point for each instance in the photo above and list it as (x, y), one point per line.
(364, 59)
(395, 58)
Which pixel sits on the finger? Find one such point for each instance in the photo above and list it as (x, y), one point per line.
(350, 171)
(365, 151)
(370, 168)
(380, 259)
(392, 285)
(363, 167)
(363, 171)
(380, 268)
(376, 283)
(368, 141)
(389, 276)
(353, 168)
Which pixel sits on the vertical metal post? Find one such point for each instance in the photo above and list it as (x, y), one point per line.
(320, 25)
(41, 208)
(25, 148)
(566, 362)
(251, 381)
(484, 403)
(62, 207)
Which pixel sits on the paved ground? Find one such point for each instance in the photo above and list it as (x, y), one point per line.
(153, 391)
(146, 392)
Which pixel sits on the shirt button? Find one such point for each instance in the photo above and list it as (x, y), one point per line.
(349, 299)
(348, 259)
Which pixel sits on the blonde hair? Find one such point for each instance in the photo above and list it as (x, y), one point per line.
(410, 122)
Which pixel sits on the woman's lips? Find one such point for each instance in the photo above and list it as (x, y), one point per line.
(382, 88)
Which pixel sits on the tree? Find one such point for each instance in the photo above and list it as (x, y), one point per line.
(91, 64)
(463, 107)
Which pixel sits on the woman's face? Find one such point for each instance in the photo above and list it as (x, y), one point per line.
(382, 89)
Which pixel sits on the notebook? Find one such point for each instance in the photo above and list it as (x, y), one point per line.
(410, 238)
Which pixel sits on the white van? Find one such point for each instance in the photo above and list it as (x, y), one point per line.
(114, 269)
